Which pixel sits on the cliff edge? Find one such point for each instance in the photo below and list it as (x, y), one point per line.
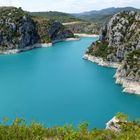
(119, 47)
(19, 31)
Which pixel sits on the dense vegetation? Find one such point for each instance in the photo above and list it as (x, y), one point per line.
(100, 49)
(59, 16)
(19, 130)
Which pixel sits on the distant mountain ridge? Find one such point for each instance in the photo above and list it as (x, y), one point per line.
(86, 20)
(102, 16)
(106, 11)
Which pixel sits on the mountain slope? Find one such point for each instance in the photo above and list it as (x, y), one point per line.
(59, 16)
(102, 16)
(19, 31)
(120, 43)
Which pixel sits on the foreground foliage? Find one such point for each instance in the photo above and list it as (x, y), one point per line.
(35, 131)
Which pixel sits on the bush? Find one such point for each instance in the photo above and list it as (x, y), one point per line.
(19, 130)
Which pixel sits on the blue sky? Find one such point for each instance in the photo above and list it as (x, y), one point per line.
(70, 6)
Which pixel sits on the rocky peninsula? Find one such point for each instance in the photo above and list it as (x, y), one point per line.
(19, 31)
(119, 47)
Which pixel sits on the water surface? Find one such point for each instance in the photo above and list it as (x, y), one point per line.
(56, 86)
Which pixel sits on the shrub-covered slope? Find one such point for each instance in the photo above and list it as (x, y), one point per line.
(59, 16)
(120, 42)
(130, 68)
(19, 30)
(121, 35)
(51, 30)
(76, 25)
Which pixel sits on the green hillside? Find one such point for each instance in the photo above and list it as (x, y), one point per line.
(102, 16)
(59, 16)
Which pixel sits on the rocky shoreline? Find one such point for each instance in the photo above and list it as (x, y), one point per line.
(86, 35)
(37, 45)
(72, 39)
(128, 85)
(100, 61)
(67, 39)
(113, 124)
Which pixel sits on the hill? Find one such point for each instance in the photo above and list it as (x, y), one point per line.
(102, 16)
(76, 25)
(59, 16)
(19, 31)
(120, 44)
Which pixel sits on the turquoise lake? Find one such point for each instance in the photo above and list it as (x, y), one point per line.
(55, 86)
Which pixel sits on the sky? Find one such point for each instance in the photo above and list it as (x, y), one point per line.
(69, 6)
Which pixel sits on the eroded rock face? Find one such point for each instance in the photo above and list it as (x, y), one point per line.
(57, 31)
(18, 30)
(120, 43)
(124, 33)
(130, 68)
(124, 36)
(83, 27)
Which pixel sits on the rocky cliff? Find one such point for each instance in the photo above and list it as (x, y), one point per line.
(123, 35)
(51, 30)
(18, 30)
(84, 27)
(120, 43)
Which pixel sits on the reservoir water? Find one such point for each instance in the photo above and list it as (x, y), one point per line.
(55, 86)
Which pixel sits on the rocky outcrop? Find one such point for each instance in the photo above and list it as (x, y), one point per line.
(83, 27)
(100, 61)
(51, 30)
(123, 34)
(128, 73)
(119, 42)
(117, 123)
(19, 31)
(113, 124)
